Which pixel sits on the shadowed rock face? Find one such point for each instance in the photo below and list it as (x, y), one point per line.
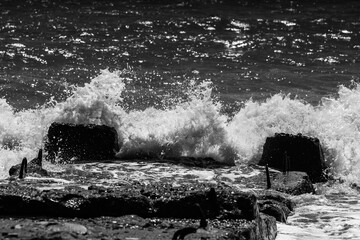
(71, 142)
(287, 152)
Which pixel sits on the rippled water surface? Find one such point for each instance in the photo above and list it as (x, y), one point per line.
(249, 49)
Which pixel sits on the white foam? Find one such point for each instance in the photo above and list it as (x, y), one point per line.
(193, 126)
(335, 214)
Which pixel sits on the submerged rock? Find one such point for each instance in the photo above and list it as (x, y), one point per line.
(287, 152)
(69, 142)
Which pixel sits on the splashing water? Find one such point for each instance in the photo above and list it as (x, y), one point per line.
(193, 126)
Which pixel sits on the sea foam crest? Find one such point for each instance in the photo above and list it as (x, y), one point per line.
(191, 127)
(335, 121)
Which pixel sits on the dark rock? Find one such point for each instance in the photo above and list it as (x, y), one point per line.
(231, 213)
(133, 227)
(23, 168)
(278, 197)
(247, 203)
(273, 208)
(262, 228)
(287, 152)
(69, 142)
(185, 203)
(155, 201)
(275, 204)
(34, 167)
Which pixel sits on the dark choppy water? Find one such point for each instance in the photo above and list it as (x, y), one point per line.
(251, 49)
(191, 79)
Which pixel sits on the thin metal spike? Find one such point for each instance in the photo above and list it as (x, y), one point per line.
(23, 168)
(268, 181)
(39, 162)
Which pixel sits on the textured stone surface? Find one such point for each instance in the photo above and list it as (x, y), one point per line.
(232, 199)
(164, 201)
(230, 214)
(69, 142)
(275, 204)
(287, 152)
(129, 227)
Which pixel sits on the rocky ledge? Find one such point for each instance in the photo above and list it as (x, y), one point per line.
(131, 200)
(214, 212)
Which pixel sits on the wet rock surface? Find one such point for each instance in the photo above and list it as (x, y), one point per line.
(233, 201)
(229, 213)
(287, 152)
(71, 142)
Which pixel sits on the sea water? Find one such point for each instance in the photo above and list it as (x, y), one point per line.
(192, 78)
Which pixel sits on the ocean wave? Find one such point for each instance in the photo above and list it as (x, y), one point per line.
(193, 126)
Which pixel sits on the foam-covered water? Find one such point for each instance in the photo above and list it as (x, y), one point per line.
(333, 214)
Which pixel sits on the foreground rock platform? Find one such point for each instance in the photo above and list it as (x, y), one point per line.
(129, 227)
(233, 201)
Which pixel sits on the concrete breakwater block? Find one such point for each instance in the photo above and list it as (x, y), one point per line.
(286, 152)
(226, 211)
(70, 142)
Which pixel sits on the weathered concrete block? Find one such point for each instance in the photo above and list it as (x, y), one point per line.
(287, 152)
(69, 142)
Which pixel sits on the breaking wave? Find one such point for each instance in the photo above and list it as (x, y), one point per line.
(192, 126)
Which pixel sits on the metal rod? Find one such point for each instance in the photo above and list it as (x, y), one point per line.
(23, 168)
(267, 176)
(39, 161)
